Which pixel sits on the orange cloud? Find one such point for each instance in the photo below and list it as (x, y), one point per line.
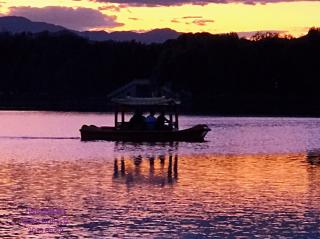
(188, 17)
(202, 22)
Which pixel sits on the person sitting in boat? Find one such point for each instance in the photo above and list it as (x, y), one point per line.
(151, 121)
(137, 121)
(162, 122)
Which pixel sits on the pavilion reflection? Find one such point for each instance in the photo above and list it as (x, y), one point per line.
(155, 148)
(150, 169)
(313, 157)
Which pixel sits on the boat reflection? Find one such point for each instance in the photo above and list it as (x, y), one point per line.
(155, 148)
(153, 169)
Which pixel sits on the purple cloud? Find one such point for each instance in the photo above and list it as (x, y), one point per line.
(153, 3)
(72, 18)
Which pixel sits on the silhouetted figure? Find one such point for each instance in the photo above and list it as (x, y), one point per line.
(138, 121)
(162, 121)
(151, 121)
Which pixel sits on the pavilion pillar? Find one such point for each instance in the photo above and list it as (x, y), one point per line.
(176, 117)
(116, 117)
(122, 116)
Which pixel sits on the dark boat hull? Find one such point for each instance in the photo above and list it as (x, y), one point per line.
(194, 134)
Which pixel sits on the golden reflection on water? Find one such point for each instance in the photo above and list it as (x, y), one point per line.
(164, 194)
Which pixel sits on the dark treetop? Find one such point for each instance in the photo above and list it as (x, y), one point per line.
(218, 74)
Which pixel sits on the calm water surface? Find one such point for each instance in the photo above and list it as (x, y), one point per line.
(254, 177)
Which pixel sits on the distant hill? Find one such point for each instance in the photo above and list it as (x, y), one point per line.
(20, 24)
(16, 24)
(156, 36)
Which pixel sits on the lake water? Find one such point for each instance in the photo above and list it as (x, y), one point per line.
(254, 177)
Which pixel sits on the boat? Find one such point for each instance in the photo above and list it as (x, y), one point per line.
(121, 132)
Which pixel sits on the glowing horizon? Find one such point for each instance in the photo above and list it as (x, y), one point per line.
(289, 17)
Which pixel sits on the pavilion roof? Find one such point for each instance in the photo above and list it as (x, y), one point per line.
(137, 101)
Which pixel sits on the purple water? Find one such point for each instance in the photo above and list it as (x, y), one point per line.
(254, 177)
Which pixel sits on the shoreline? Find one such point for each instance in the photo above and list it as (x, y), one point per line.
(186, 113)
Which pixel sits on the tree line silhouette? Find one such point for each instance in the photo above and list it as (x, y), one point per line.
(223, 74)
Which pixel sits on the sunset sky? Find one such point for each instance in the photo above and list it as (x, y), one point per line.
(215, 16)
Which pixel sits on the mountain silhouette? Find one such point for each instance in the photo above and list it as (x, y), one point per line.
(21, 24)
(154, 36)
(15, 24)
